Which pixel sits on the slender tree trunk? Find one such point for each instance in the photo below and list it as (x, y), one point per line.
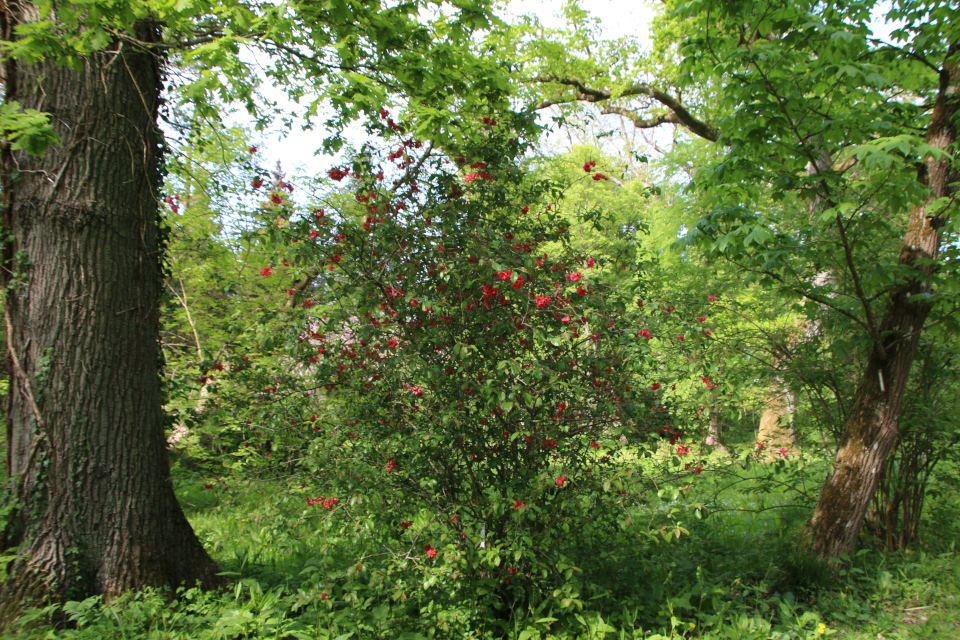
(775, 431)
(97, 511)
(871, 429)
(714, 434)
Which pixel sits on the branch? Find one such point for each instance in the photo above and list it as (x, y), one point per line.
(638, 122)
(848, 254)
(587, 94)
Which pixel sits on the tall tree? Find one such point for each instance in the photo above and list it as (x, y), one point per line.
(82, 271)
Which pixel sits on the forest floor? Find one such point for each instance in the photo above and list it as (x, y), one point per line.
(737, 572)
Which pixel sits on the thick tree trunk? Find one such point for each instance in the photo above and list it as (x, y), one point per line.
(871, 429)
(97, 511)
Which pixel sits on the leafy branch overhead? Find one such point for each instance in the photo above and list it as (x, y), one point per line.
(339, 60)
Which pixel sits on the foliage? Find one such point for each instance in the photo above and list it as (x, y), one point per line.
(452, 388)
(304, 574)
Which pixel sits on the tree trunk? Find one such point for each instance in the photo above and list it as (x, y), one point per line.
(97, 511)
(713, 438)
(871, 429)
(775, 431)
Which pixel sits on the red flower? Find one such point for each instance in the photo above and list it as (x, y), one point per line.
(594, 444)
(392, 343)
(543, 301)
(338, 174)
(266, 272)
(431, 553)
(518, 504)
(208, 486)
(574, 277)
(782, 451)
(565, 319)
(512, 571)
(761, 446)
(276, 198)
(257, 183)
(561, 480)
(590, 263)
(252, 150)
(405, 525)
(683, 450)
(702, 318)
(581, 290)
(712, 298)
(504, 275)
(645, 333)
(518, 284)
(599, 176)
(681, 338)
(655, 386)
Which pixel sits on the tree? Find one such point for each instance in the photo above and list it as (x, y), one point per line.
(81, 270)
(97, 512)
(836, 160)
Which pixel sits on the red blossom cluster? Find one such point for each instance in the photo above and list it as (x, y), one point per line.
(338, 174)
(323, 501)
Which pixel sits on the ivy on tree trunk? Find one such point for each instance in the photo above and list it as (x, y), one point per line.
(97, 512)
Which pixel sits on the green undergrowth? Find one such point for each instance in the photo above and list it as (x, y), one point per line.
(736, 571)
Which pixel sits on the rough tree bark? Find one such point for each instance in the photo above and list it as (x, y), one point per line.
(871, 429)
(97, 512)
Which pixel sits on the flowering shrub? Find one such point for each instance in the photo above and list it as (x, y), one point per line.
(459, 374)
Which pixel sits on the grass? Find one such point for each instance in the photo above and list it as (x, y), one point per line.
(738, 573)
